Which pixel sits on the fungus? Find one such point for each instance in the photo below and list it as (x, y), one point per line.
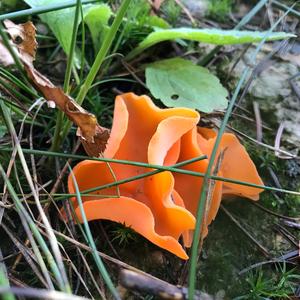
(161, 207)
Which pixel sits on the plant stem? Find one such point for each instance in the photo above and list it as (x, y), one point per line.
(109, 37)
(204, 190)
(42, 9)
(92, 244)
(60, 115)
(205, 184)
(173, 168)
(5, 283)
(56, 266)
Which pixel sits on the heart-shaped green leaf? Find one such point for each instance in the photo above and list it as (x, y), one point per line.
(61, 22)
(180, 83)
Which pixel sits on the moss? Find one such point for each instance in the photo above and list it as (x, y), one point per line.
(219, 9)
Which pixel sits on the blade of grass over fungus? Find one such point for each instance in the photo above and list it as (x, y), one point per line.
(207, 177)
(42, 9)
(107, 42)
(103, 159)
(92, 244)
(56, 264)
(60, 115)
(158, 168)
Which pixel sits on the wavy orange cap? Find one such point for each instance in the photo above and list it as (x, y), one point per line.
(161, 207)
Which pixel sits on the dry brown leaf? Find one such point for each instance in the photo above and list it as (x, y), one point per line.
(23, 37)
(92, 135)
(5, 57)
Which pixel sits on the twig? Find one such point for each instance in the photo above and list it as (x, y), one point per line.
(39, 293)
(163, 290)
(27, 253)
(257, 115)
(186, 11)
(288, 154)
(286, 234)
(259, 264)
(291, 224)
(277, 141)
(272, 212)
(263, 250)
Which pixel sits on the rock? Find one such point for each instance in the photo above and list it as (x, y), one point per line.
(273, 90)
(197, 8)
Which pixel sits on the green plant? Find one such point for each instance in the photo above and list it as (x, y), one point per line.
(123, 235)
(219, 9)
(172, 11)
(280, 286)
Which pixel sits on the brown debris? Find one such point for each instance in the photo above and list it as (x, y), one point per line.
(145, 283)
(92, 135)
(5, 57)
(23, 38)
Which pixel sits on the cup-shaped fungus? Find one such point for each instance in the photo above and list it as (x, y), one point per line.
(160, 207)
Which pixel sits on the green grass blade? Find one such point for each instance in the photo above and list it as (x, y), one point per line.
(60, 115)
(57, 266)
(242, 22)
(173, 168)
(12, 78)
(91, 242)
(285, 7)
(42, 9)
(21, 210)
(5, 283)
(203, 196)
(246, 19)
(109, 37)
(107, 42)
(71, 53)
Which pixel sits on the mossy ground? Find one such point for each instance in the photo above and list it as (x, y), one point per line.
(226, 250)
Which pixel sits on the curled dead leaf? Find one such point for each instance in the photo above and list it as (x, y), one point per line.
(100, 141)
(92, 135)
(23, 38)
(5, 57)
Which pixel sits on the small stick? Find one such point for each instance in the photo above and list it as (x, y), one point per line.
(259, 133)
(274, 213)
(291, 224)
(157, 287)
(235, 221)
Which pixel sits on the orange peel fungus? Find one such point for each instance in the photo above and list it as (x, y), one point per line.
(161, 207)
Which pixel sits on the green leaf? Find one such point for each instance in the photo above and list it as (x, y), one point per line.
(180, 83)
(61, 21)
(3, 131)
(210, 36)
(157, 22)
(96, 18)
